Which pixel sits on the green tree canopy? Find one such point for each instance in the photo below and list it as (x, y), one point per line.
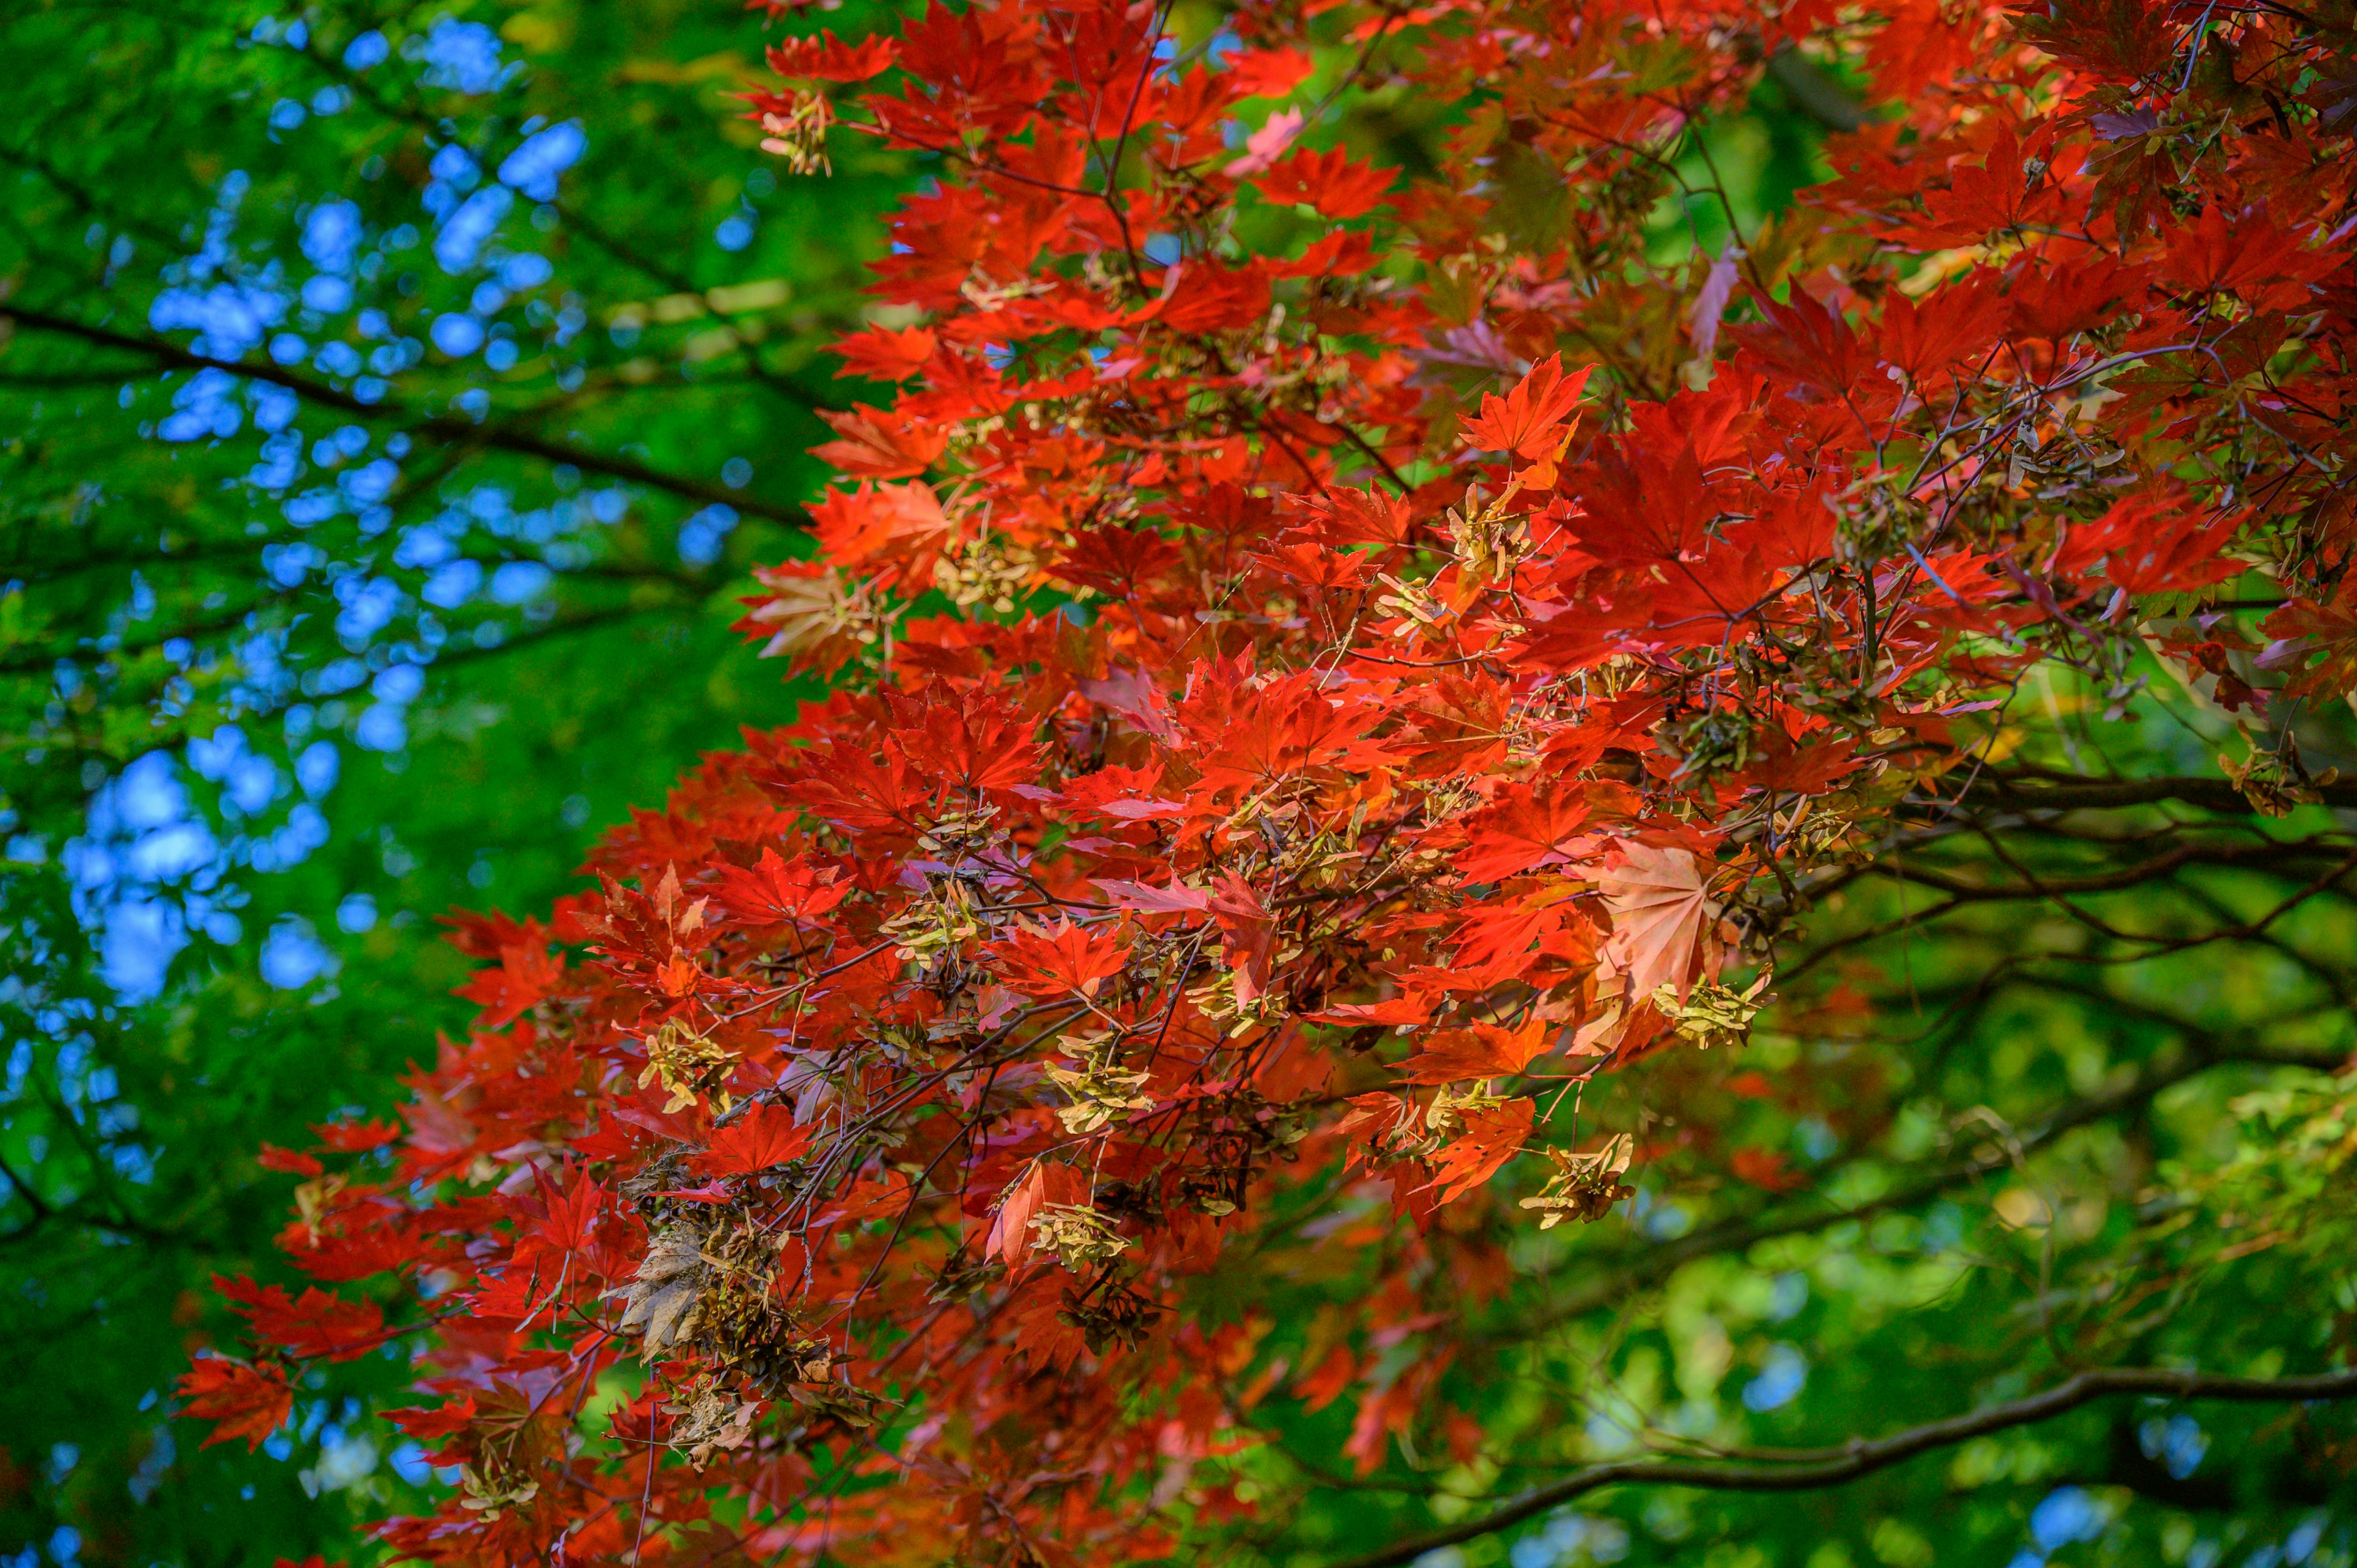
(391, 400)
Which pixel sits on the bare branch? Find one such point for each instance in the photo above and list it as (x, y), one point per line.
(1808, 1469)
(2015, 791)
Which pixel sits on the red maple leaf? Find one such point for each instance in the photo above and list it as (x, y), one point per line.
(1525, 827)
(1480, 1050)
(353, 1137)
(1809, 343)
(854, 792)
(565, 1222)
(1205, 296)
(1247, 934)
(828, 58)
(243, 1400)
(777, 892)
(1328, 181)
(875, 445)
(1119, 562)
(885, 354)
(315, 1324)
(1324, 572)
(978, 746)
(527, 972)
(2214, 255)
(2153, 541)
(764, 1136)
(1996, 194)
(1268, 73)
(1062, 959)
(294, 1162)
(2326, 633)
(1343, 515)
(1925, 339)
(1765, 1169)
(1174, 899)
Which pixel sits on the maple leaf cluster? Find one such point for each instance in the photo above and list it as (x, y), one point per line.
(1331, 657)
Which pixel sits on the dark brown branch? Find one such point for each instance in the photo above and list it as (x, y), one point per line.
(2016, 791)
(457, 432)
(25, 1190)
(1809, 1469)
(221, 621)
(2265, 854)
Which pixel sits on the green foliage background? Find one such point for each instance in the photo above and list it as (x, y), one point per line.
(134, 585)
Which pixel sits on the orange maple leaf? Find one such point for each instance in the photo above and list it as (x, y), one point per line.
(1484, 1050)
(879, 446)
(1530, 421)
(1325, 1382)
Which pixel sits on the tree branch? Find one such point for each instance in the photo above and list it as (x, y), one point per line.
(2265, 854)
(457, 432)
(1806, 1470)
(1740, 1234)
(2014, 791)
(1814, 91)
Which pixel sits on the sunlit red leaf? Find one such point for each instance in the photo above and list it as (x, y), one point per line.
(1532, 420)
(885, 354)
(1477, 1051)
(776, 891)
(875, 445)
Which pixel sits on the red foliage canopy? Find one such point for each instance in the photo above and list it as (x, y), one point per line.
(1332, 657)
